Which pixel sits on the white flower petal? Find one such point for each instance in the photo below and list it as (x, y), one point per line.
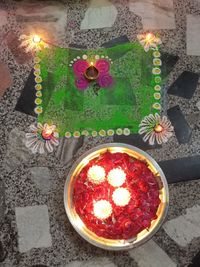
(146, 48)
(40, 126)
(147, 136)
(30, 135)
(49, 146)
(22, 36)
(152, 138)
(142, 130)
(41, 148)
(33, 128)
(54, 141)
(56, 134)
(159, 138)
(35, 148)
(30, 143)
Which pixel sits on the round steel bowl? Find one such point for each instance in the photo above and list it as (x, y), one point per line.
(80, 227)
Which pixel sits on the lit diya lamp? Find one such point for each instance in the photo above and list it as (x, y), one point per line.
(32, 43)
(158, 128)
(91, 73)
(116, 196)
(48, 131)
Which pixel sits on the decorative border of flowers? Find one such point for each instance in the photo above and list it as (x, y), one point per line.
(85, 57)
(156, 71)
(102, 133)
(38, 79)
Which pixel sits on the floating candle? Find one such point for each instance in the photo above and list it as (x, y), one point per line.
(102, 209)
(121, 196)
(96, 174)
(116, 177)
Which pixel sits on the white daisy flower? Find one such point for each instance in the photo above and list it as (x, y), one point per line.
(42, 138)
(156, 129)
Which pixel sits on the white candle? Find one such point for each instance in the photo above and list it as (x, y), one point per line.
(121, 196)
(102, 209)
(116, 177)
(96, 174)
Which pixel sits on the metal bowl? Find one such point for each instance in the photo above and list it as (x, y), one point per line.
(80, 227)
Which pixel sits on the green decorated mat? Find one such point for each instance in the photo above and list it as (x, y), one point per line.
(126, 88)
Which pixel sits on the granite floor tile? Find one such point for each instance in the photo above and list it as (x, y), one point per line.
(26, 101)
(2, 202)
(193, 35)
(100, 14)
(198, 105)
(19, 54)
(33, 227)
(181, 127)
(3, 18)
(41, 177)
(155, 14)
(47, 18)
(195, 261)
(2, 252)
(134, 140)
(151, 255)
(16, 153)
(185, 85)
(182, 169)
(168, 63)
(184, 228)
(68, 148)
(97, 262)
(119, 40)
(5, 78)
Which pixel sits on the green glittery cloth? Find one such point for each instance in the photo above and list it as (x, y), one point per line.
(119, 108)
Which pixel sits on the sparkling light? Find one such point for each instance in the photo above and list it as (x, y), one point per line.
(36, 39)
(32, 43)
(121, 196)
(102, 209)
(96, 174)
(149, 36)
(116, 177)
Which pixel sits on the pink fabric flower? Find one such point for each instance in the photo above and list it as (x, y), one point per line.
(104, 78)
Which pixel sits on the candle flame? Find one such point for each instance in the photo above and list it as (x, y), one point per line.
(36, 39)
(48, 131)
(148, 36)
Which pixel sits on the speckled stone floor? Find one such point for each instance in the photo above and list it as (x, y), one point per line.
(61, 246)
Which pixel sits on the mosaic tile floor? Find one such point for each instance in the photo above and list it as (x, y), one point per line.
(34, 229)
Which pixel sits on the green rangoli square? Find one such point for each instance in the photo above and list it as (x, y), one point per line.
(119, 108)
